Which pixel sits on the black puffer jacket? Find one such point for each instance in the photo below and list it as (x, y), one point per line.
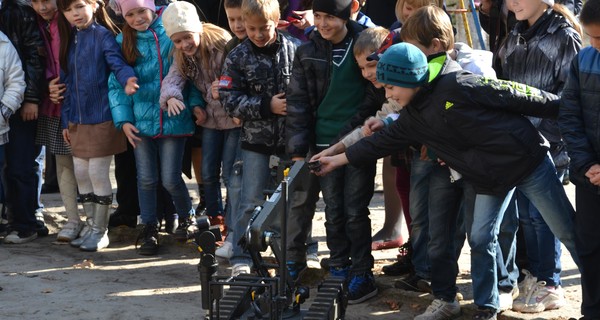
(579, 117)
(474, 124)
(308, 86)
(18, 22)
(540, 56)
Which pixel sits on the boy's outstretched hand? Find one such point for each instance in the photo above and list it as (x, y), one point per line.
(329, 164)
(371, 126)
(131, 87)
(278, 104)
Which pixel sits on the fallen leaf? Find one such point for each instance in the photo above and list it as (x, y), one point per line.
(392, 304)
(47, 291)
(86, 264)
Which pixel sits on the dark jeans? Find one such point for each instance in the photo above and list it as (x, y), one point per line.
(587, 240)
(445, 199)
(21, 174)
(420, 171)
(347, 192)
(302, 211)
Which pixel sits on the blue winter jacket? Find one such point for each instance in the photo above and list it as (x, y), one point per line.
(579, 116)
(93, 54)
(143, 109)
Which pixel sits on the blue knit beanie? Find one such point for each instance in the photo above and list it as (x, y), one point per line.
(403, 65)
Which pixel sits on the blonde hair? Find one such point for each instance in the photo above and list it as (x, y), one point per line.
(562, 10)
(369, 40)
(266, 9)
(416, 5)
(212, 37)
(429, 23)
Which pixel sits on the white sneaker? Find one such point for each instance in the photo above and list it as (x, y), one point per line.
(312, 261)
(70, 231)
(544, 297)
(240, 268)
(525, 286)
(440, 310)
(225, 251)
(505, 299)
(17, 237)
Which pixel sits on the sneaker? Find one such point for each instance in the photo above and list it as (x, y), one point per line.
(524, 286)
(410, 283)
(341, 272)
(295, 269)
(440, 310)
(41, 228)
(18, 237)
(240, 268)
(543, 297)
(505, 299)
(3, 226)
(403, 265)
(424, 285)
(361, 288)
(485, 314)
(149, 237)
(225, 251)
(186, 229)
(70, 231)
(312, 260)
(325, 263)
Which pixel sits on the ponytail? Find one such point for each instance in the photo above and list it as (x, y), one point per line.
(102, 17)
(562, 10)
(65, 32)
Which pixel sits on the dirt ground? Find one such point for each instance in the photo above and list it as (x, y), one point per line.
(46, 280)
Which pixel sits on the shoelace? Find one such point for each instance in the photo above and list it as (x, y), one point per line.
(532, 291)
(434, 306)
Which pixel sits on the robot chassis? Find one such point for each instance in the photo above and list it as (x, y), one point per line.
(261, 295)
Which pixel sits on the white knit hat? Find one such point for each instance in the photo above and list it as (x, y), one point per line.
(181, 16)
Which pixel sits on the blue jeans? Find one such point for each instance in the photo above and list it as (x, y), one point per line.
(420, 171)
(506, 251)
(256, 177)
(445, 198)
(546, 192)
(21, 174)
(347, 192)
(219, 148)
(154, 157)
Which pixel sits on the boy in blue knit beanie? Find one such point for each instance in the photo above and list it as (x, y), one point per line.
(476, 126)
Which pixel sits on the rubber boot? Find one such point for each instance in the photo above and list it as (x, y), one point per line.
(87, 201)
(98, 238)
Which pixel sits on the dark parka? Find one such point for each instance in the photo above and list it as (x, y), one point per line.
(540, 56)
(313, 67)
(579, 117)
(474, 124)
(18, 22)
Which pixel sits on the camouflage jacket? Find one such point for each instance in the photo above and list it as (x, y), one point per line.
(249, 80)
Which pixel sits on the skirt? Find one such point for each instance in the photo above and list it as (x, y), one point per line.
(96, 140)
(49, 134)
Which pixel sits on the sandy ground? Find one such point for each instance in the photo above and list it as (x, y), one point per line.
(43, 279)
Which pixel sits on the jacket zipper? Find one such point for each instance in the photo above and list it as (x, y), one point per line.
(77, 81)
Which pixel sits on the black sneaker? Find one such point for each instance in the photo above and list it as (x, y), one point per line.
(410, 283)
(149, 237)
(424, 285)
(403, 265)
(295, 269)
(485, 314)
(361, 288)
(186, 229)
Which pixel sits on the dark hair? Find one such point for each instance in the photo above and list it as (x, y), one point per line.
(590, 13)
(232, 4)
(65, 30)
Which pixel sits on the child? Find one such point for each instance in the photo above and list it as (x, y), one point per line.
(157, 137)
(578, 122)
(526, 58)
(88, 51)
(323, 68)
(21, 174)
(464, 119)
(405, 8)
(12, 89)
(49, 132)
(233, 9)
(252, 88)
(200, 61)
